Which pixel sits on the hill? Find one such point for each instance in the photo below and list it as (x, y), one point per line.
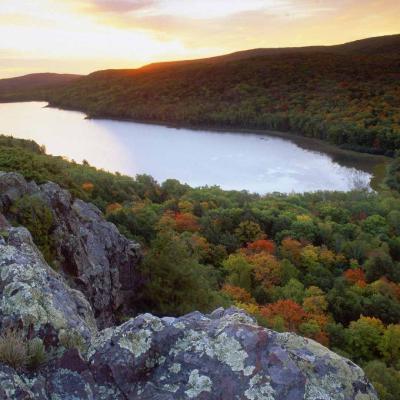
(345, 94)
(376, 45)
(35, 81)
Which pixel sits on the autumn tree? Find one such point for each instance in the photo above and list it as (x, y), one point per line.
(315, 301)
(186, 222)
(237, 294)
(289, 311)
(266, 268)
(291, 249)
(355, 276)
(261, 245)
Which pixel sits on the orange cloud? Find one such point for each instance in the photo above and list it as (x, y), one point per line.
(85, 35)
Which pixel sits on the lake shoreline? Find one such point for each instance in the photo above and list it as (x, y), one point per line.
(305, 142)
(375, 165)
(368, 162)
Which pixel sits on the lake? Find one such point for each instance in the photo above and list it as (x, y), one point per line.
(258, 163)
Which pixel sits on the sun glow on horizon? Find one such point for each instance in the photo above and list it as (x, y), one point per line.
(81, 36)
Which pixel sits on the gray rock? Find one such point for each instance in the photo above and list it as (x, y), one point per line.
(12, 187)
(90, 251)
(35, 297)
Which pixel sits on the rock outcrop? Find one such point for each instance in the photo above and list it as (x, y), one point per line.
(89, 251)
(224, 355)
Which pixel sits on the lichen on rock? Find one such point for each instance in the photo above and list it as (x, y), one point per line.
(197, 384)
(136, 342)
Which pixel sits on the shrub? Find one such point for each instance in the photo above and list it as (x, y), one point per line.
(72, 340)
(36, 353)
(13, 351)
(32, 213)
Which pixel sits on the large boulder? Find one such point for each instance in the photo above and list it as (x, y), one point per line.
(90, 251)
(224, 355)
(36, 298)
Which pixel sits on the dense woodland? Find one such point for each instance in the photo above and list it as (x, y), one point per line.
(325, 265)
(348, 95)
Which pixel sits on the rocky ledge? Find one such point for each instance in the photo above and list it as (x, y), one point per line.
(224, 355)
(89, 251)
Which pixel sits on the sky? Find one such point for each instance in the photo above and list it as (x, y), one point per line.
(82, 36)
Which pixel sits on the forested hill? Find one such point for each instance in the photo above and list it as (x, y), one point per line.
(34, 81)
(347, 94)
(376, 45)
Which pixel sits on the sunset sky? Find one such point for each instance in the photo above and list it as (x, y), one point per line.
(81, 36)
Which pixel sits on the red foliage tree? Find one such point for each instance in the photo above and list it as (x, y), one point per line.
(112, 207)
(261, 245)
(291, 313)
(237, 293)
(355, 277)
(186, 222)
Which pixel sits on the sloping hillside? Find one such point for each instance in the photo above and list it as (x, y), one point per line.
(14, 89)
(377, 45)
(346, 94)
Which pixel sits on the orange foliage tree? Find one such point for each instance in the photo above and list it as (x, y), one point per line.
(266, 269)
(261, 245)
(291, 249)
(186, 222)
(113, 207)
(355, 277)
(87, 186)
(237, 293)
(291, 313)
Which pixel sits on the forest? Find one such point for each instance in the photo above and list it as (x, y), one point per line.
(325, 265)
(347, 94)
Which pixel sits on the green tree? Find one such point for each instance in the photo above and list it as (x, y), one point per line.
(248, 231)
(363, 338)
(176, 283)
(239, 271)
(381, 264)
(293, 290)
(385, 380)
(390, 345)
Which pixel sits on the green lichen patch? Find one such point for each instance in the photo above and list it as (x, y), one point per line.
(197, 384)
(224, 348)
(24, 296)
(175, 368)
(340, 375)
(152, 322)
(137, 343)
(260, 389)
(171, 387)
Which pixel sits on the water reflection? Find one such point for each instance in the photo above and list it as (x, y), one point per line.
(233, 161)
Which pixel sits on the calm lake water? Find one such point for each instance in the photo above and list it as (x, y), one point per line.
(257, 163)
